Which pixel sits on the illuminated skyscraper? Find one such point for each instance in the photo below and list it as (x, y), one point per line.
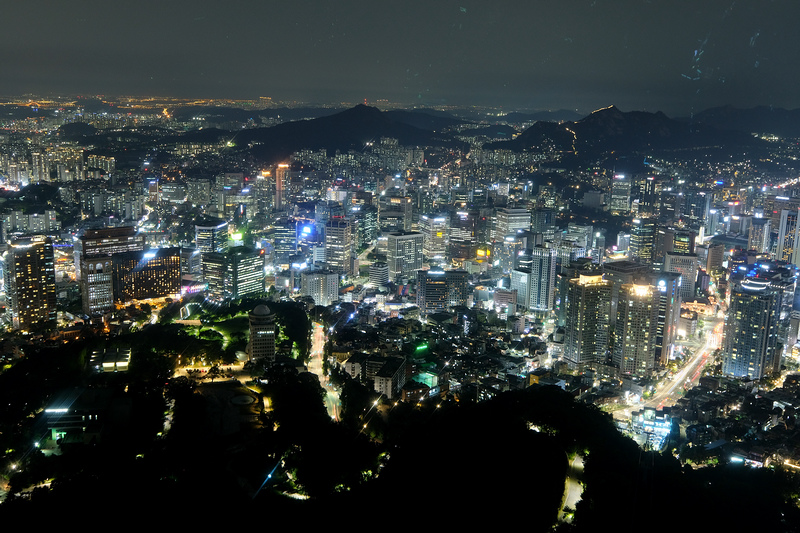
(404, 253)
(434, 230)
(339, 247)
(587, 320)
(643, 237)
(152, 274)
(211, 234)
(95, 250)
(686, 265)
(281, 175)
(438, 290)
(788, 246)
(758, 237)
(30, 280)
(321, 285)
(620, 194)
(637, 322)
(749, 347)
(233, 274)
(536, 285)
(507, 221)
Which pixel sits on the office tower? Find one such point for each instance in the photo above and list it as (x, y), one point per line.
(635, 332)
(587, 320)
(95, 250)
(394, 213)
(620, 194)
(507, 251)
(438, 290)
(378, 273)
(749, 347)
(30, 282)
(281, 187)
(648, 195)
(321, 285)
(788, 243)
(758, 237)
(434, 230)
(210, 234)
(284, 239)
(669, 313)
(198, 192)
(261, 345)
(686, 265)
(670, 239)
(535, 286)
(404, 254)
(366, 217)
(508, 220)
(463, 235)
(151, 274)
(542, 220)
(642, 242)
(521, 283)
(339, 247)
(233, 274)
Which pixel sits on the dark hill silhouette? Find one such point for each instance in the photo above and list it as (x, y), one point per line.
(350, 129)
(610, 129)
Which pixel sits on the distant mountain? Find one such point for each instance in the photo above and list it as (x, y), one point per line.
(425, 119)
(496, 131)
(349, 129)
(764, 119)
(76, 131)
(551, 116)
(236, 114)
(610, 129)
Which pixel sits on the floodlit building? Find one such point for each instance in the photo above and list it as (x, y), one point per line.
(30, 282)
(587, 320)
(637, 321)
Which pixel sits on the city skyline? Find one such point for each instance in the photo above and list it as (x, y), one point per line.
(577, 55)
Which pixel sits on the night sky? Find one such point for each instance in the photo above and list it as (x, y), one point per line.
(671, 55)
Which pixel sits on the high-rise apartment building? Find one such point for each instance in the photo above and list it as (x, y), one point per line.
(587, 320)
(30, 281)
(635, 331)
